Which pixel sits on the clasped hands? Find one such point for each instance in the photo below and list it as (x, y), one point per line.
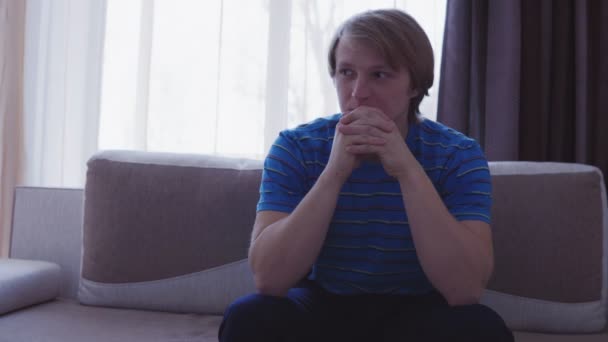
(365, 132)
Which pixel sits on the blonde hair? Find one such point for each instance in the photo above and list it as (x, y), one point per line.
(400, 39)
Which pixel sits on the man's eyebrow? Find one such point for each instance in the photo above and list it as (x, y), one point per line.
(373, 66)
(344, 64)
(382, 66)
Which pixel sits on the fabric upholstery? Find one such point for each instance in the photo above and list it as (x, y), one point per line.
(146, 234)
(47, 225)
(558, 240)
(27, 282)
(67, 321)
(208, 291)
(521, 336)
(156, 222)
(143, 209)
(549, 227)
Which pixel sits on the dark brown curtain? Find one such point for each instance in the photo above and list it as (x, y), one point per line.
(528, 79)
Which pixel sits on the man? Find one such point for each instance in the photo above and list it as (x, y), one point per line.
(384, 215)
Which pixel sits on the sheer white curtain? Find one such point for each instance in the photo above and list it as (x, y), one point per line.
(12, 27)
(214, 76)
(225, 76)
(63, 49)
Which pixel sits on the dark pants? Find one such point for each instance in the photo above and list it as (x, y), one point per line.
(309, 313)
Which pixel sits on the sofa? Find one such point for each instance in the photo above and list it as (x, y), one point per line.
(155, 247)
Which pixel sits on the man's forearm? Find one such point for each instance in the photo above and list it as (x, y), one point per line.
(285, 250)
(454, 259)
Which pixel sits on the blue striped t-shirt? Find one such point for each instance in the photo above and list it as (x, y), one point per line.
(369, 247)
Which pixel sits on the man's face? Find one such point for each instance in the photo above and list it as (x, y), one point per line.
(365, 78)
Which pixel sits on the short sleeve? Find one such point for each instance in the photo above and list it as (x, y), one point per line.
(284, 176)
(467, 184)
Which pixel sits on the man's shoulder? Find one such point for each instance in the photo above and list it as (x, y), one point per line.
(436, 134)
(319, 129)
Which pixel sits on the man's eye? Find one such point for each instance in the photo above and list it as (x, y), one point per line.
(345, 72)
(380, 74)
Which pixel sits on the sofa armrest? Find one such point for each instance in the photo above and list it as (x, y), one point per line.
(27, 282)
(550, 231)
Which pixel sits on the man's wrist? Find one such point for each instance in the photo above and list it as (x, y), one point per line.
(413, 180)
(332, 178)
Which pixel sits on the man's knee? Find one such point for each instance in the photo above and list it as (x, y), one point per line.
(251, 316)
(247, 305)
(469, 323)
(480, 323)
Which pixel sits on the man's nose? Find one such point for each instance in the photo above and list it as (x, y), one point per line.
(361, 89)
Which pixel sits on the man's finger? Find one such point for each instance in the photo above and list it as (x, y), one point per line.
(373, 121)
(363, 129)
(365, 140)
(379, 124)
(363, 149)
(363, 111)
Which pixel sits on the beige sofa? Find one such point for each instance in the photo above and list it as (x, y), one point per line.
(154, 248)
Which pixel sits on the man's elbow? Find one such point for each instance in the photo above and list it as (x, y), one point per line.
(468, 293)
(468, 296)
(268, 288)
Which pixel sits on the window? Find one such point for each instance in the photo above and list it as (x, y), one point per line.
(224, 77)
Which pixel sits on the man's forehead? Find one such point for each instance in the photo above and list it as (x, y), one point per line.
(350, 51)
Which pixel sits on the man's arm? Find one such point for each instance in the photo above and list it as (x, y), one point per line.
(284, 246)
(457, 257)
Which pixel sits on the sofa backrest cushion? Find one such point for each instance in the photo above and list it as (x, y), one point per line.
(170, 232)
(550, 241)
(167, 232)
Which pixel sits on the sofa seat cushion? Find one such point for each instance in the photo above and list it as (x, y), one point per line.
(540, 337)
(66, 320)
(27, 282)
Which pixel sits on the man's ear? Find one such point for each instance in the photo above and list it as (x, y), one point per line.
(415, 92)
